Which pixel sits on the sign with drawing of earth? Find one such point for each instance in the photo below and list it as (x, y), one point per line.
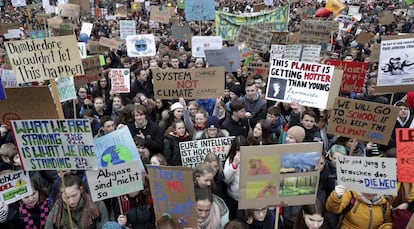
(114, 155)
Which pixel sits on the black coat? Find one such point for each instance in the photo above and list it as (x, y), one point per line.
(152, 133)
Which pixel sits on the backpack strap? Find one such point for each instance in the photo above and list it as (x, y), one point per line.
(346, 209)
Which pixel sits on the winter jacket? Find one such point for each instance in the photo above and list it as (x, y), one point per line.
(232, 178)
(152, 133)
(172, 148)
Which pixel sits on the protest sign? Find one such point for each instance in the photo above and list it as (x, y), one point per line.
(141, 45)
(45, 58)
(194, 152)
(310, 84)
(95, 48)
(172, 190)
(387, 18)
(256, 39)
(229, 58)
(364, 37)
(121, 10)
(254, 68)
(289, 177)
(316, 32)
(182, 33)
(353, 10)
(18, 3)
(15, 186)
(353, 78)
(367, 174)
(82, 49)
(49, 144)
(115, 148)
(35, 34)
(86, 28)
(160, 14)
(227, 24)
(92, 68)
(62, 32)
(120, 80)
(306, 53)
(68, 10)
(196, 10)
(55, 22)
(7, 78)
(279, 38)
(259, 7)
(110, 43)
(201, 43)
(127, 28)
(116, 180)
(66, 88)
(405, 157)
(367, 121)
(395, 67)
(4, 28)
(199, 83)
(335, 6)
(14, 33)
(27, 103)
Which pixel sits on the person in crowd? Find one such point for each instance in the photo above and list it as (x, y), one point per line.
(165, 222)
(176, 113)
(295, 134)
(257, 218)
(89, 114)
(141, 84)
(207, 105)
(172, 142)
(212, 130)
(158, 159)
(6, 135)
(117, 106)
(235, 224)
(220, 110)
(311, 217)
(255, 105)
(261, 134)
(107, 126)
(149, 103)
(235, 93)
(370, 94)
(102, 89)
(143, 151)
(10, 158)
(212, 212)
(236, 123)
(308, 122)
(219, 184)
(353, 146)
(277, 122)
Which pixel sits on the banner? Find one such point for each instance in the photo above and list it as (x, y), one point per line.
(227, 25)
(182, 33)
(92, 68)
(257, 40)
(316, 32)
(45, 58)
(110, 43)
(367, 174)
(353, 78)
(66, 88)
(172, 191)
(141, 45)
(254, 68)
(367, 121)
(127, 28)
(196, 10)
(289, 177)
(27, 103)
(120, 80)
(307, 83)
(115, 148)
(229, 58)
(194, 152)
(61, 144)
(201, 43)
(405, 157)
(306, 53)
(15, 186)
(115, 180)
(198, 83)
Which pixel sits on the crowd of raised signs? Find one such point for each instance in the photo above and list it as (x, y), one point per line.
(159, 126)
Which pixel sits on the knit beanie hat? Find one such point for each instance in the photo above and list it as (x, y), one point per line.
(212, 122)
(236, 89)
(297, 132)
(176, 105)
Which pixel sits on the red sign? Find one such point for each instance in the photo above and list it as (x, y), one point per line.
(354, 75)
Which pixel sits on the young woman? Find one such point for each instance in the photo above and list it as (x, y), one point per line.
(311, 217)
(117, 106)
(85, 213)
(261, 134)
(220, 185)
(102, 88)
(212, 130)
(158, 159)
(204, 176)
(257, 218)
(212, 212)
(172, 142)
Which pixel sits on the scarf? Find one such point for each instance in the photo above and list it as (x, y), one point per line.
(181, 138)
(88, 208)
(27, 217)
(199, 127)
(213, 219)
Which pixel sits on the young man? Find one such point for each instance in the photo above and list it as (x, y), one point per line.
(107, 126)
(307, 120)
(255, 105)
(236, 124)
(277, 121)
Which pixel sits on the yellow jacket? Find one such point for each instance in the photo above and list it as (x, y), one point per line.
(361, 215)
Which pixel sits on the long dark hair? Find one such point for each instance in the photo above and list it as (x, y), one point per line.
(235, 146)
(266, 137)
(317, 208)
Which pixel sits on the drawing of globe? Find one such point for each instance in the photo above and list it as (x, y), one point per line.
(114, 155)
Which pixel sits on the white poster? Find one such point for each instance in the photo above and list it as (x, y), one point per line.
(66, 88)
(82, 49)
(120, 80)
(141, 45)
(17, 3)
(306, 53)
(15, 186)
(86, 28)
(201, 43)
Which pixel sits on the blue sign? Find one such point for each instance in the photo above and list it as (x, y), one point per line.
(196, 10)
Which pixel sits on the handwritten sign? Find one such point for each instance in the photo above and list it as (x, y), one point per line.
(115, 180)
(196, 10)
(289, 177)
(304, 82)
(120, 80)
(172, 191)
(306, 53)
(141, 45)
(160, 14)
(354, 75)
(68, 10)
(367, 121)
(110, 43)
(229, 58)
(182, 33)
(315, 31)
(82, 49)
(258, 40)
(199, 83)
(194, 152)
(201, 43)
(92, 68)
(405, 154)
(55, 144)
(45, 58)
(94, 47)
(15, 186)
(258, 69)
(367, 174)
(66, 88)
(127, 28)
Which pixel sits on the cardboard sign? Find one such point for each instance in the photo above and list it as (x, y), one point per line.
(279, 38)
(172, 190)
(7, 78)
(55, 144)
(115, 148)
(4, 28)
(256, 39)
(44, 59)
(227, 25)
(92, 69)
(229, 58)
(194, 152)
(367, 121)
(120, 80)
(115, 180)
(160, 14)
(353, 10)
(121, 10)
(55, 21)
(354, 75)
(259, 7)
(387, 18)
(367, 174)
(66, 88)
(95, 48)
(182, 33)
(127, 28)
(395, 68)
(364, 37)
(196, 10)
(258, 69)
(316, 32)
(199, 83)
(14, 33)
(15, 186)
(307, 83)
(201, 43)
(405, 149)
(306, 53)
(27, 103)
(68, 10)
(289, 177)
(110, 43)
(141, 45)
